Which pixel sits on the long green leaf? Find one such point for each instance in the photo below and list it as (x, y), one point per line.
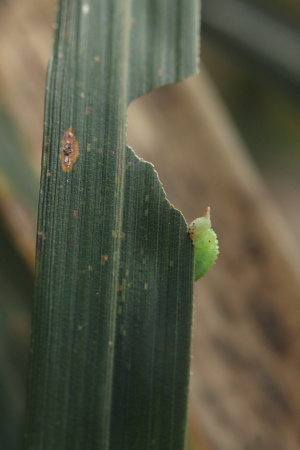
(112, 315)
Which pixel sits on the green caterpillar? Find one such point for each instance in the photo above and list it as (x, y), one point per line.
(205, 242)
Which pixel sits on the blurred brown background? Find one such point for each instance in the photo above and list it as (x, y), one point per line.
(228, 138)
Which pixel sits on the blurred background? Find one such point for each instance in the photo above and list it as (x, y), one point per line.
(252, 52)
(228, 138)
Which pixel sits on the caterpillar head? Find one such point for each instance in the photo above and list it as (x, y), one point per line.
(205, 242)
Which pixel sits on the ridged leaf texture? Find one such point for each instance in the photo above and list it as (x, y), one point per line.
(111, 322)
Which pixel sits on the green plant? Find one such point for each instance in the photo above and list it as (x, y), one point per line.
(111, 323)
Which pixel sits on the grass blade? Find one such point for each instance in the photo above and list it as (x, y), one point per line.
(112, 315)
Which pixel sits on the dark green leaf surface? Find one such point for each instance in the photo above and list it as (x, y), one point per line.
(112, 314)
(153, 318)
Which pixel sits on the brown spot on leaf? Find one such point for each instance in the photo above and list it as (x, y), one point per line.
(104, 259)
(69, 150)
